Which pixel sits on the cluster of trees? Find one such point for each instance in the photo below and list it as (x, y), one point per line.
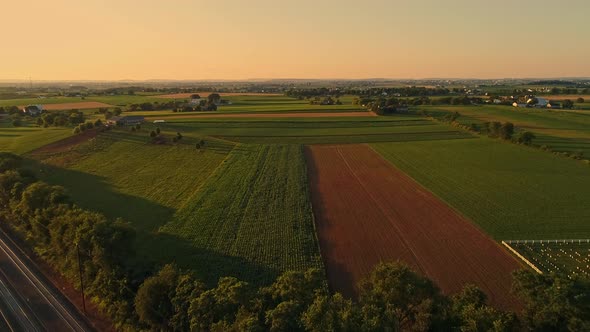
(155, 106)
(391, 298)
(328, 100)
(381, 105)
(108, 113)
(416, 91)
(58, 231)
(82, 127)
(9, 110)
(459, 100)
(61, 119)
(500, 130)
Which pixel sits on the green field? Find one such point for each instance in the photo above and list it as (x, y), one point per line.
(569, 257)
(317, 131)
(239, 210)
(510, 191)
(255, 207)
(23, 139)
(559, 130)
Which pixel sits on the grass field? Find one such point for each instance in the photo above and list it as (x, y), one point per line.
(23, 139)
(510, 191)
(569, 257)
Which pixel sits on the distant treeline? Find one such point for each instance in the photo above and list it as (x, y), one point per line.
(306, 93)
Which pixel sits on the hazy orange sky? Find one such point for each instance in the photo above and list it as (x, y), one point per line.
(231, 39)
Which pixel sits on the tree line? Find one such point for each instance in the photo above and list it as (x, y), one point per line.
(137, 297)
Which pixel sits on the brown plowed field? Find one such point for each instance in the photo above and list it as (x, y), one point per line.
(65, 144)
(74, 106)
(223, 94)
(265, 115)
(368, 211)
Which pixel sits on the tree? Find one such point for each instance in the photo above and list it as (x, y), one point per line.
(153, 134)
(195, 96)
(395, 296)
(158, 130)
(472, 314)
(331, 313)
(526, 138)
(219, 305)
(17, 123)
(214, 98)
(507, 130)
(568, 103)
(117, 111)
(494, 128)
(552, 302)
(580, 100)
(153, 302)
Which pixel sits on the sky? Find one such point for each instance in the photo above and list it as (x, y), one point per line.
(233, 39)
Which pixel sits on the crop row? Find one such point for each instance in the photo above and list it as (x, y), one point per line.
(255, 209)
(568, 258)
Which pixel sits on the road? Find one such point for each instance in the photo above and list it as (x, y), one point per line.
(28, 302)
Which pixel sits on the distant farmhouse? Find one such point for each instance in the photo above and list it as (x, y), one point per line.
(33, 110)
(537, 102)
(129, 120)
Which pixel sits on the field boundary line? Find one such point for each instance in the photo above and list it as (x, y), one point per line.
(522, 257)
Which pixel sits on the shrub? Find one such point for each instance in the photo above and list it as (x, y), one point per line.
(153, 134)
(527, 137)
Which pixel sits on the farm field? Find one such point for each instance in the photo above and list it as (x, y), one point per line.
(322, 130)
(510, 191)
(269, 114)
(368, 211)
(23, 139)
(569, 257)
(254, 208)
(79, 106)
(239, 210)
(560, 130)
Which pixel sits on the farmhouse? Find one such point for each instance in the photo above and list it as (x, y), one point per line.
(33, 110)
(129, 120)
(541, 102)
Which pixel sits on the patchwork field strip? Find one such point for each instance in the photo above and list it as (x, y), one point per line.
(368, 211)
(269, 115)
(74, 106)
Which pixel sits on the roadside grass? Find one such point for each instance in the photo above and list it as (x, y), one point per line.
(510, 191)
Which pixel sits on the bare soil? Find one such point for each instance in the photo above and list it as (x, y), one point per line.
(367, 211)
(65, 144)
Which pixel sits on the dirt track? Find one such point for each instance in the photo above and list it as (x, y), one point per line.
(266, 115)
(223, 94)
(368, 211)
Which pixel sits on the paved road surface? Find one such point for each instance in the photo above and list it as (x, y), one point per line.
(28, 302)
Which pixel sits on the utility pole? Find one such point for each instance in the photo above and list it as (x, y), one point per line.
(81, 279)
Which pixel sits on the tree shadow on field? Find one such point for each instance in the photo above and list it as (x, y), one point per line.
(94, 193)
(153, 248)
(207, 265)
